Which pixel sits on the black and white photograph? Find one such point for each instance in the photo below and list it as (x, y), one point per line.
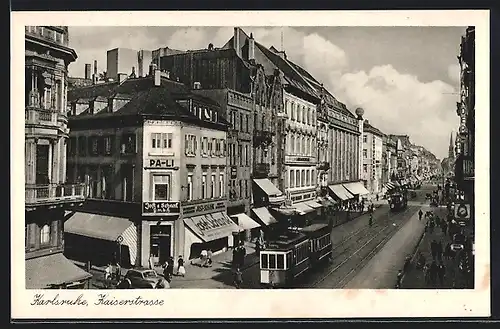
(249, 157)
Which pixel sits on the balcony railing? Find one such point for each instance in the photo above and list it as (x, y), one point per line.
(39, 116)
(54, 193)
(261, 170)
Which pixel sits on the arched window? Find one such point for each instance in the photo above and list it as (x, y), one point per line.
(45, 234)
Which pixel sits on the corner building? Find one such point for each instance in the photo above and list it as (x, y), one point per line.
(155, 157)
(47, 195)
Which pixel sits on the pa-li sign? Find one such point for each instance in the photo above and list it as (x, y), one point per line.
(462, 211)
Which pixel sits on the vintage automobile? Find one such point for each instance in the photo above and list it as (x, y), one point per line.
(144, 278)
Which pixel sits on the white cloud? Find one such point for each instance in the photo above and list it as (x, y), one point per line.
(394, 102)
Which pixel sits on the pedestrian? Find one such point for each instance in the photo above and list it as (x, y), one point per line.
(238, 278)
(235, 257)
(439, 250)
(107, 275)
(243, 253)
(370, 220)
(433, 249)
(377, 197)
(399, 279)
(441, 273)
(433, 271)
(151, 262)
(209, 257)
(427, 276)
(166, 274)
(118, 272)
(203, 258)
(420, 214)
(181, 270)
(170, 267)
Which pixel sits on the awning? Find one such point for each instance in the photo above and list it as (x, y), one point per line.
(212, 226)
(389, 186)
(340, 192)
(268, 187)
(285, 210)
(302, 208)
(313, 204)
(115, 229)
(356, 188)
(264, 215)
(55, 269)
(245, 222)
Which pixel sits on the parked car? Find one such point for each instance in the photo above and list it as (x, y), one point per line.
(144, 278)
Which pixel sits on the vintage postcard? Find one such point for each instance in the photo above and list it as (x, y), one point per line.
(250, 164)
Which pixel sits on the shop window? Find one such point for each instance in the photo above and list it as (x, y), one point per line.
(161, 185)
(45, 234)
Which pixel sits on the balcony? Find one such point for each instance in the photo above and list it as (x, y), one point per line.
(261, 170)
(36, 116)
(325, 166)
(54, 194)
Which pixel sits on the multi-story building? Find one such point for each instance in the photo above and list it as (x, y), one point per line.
(155, 157)
(372, 158)
(389, 160)
(47, 195)
(249, 100)
(464, 165)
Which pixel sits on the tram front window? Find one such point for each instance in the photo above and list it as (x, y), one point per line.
(281, 261)
(263, 261)
(272, 261)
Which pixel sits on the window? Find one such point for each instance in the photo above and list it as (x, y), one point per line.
(128, 144)
(272, 261)
(204, 146)
(303, 148)
(280, 261)
(190, 187)
(240, 153)
(155, 140)
(297, 178)
(292, 144)
(264, 261)
(45, 234)
(365, 168)
(308, 178)
(247, 156)
(293, 111)
(365, 138)
(221, 185)
(161, 185)
(241, 188)
(241, 121)
(313, 177)
(365, 153)
(204, 186)
(107, 145)
(95, 146)
(247, 128)
(246, 189)
(303, 178)
(212, 186)
(292, 179)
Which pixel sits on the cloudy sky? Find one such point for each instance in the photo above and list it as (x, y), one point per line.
(405, 78)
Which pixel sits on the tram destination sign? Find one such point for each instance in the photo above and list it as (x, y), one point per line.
(160, 208)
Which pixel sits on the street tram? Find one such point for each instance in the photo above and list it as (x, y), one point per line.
(293, 253)
(398, 199)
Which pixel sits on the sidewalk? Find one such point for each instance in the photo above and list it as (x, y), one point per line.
(415, 278)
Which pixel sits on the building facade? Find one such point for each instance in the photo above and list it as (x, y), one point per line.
(47, 195)
(372, 158)
(464, 165)
(157, 167)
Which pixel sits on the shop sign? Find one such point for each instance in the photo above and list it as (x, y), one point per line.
(160, 163)
(462, 211)
(206, 223)
(204, 207)
(303, 159)
(160, 207)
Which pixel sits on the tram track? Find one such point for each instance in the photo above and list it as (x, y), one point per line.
(356, 249)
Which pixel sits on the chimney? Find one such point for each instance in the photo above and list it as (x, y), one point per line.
(197, 85)
(121, 77)
(88, 70)
(236, 41)
(95, 76)
(251, 47)
(157, 75)
(133, 72)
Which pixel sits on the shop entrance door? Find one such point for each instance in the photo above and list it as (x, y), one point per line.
(161, 243)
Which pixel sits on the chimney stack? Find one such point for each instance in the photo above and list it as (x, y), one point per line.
(133, 72)
(88, 70)
(95, 77)
(251, 48)
(236, 41)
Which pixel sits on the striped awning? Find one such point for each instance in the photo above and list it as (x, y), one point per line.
(340, 192)
(389, 186)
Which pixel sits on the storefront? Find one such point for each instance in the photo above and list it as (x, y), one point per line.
(357, 189)
(249, 228)
(160, 232)
(101, 239)
(207, 226)
(339, 192)
(54, 271)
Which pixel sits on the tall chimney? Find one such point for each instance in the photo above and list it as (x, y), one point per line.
(236, 41)
(95, 77)
(251, 47)
(88, 70)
